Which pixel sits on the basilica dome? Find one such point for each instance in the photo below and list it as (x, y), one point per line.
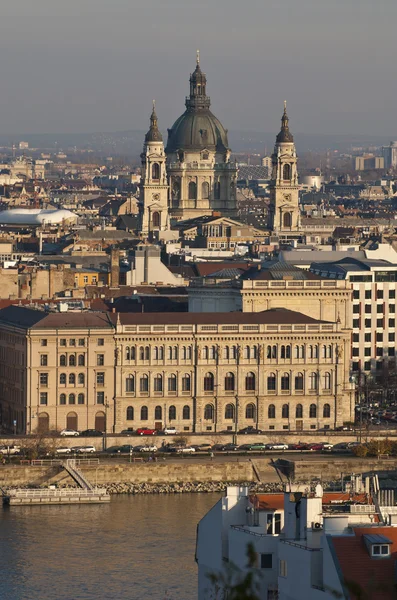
(197, 128)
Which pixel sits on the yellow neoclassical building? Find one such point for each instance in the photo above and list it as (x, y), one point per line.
(277, 370)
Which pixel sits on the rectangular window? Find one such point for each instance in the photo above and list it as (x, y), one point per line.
(379, 337)
(367, 365)
(368, 294)
(356, 308)
(367, 323)
(379, 294)
(392, 308)
(85, 279)
(379, 365)
(392, 337)
(100, 397)
(72, 342)
(277, 523)
(81, 342)
(62, 342)
(43, 342)
(379, 351)
(266, 561)
(43, 398)
(283, 568)
(356, 323)
(392, 351)
(367, 351)
(269, 523)
(355, 366)
(379, 322)
(44, 379)
(356, 352)
(43, 360)
(379, 308)
(100, 360)
(100, 378)
(367, 337)
(101, 342)
(392, 322)
(392, 294)
(356, 294)
(368, 308)
(356, 337)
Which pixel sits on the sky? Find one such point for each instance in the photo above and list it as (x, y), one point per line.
(69, 66)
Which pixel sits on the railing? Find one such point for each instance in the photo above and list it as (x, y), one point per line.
(302, 546)
(78, 461)
(55, 493)
(70, 467)
(245, 530)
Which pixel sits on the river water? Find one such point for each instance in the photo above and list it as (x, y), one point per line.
(137, 547)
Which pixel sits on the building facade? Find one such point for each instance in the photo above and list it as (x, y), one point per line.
(277, 370)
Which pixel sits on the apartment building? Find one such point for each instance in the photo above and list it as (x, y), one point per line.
(374, 284)
(277, 370)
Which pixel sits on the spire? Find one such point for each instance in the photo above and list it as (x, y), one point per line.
(198, 99)
(285, 135)
(153, 135)
(197, 57)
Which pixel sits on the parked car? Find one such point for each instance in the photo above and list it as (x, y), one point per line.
(10, 450)
(250, 429)
(92, 433)
(112, 449)
(146, 431)
(85, 449)
(203, 447)
(186, 450)
(169, 431)
(129, 431)
(277, 446)
(341, 447)
(63, 451)
(257, 447)
(229, 447)
(217, 447)
(69, 433)
(244, 447)
(151, 448)
(126, 449)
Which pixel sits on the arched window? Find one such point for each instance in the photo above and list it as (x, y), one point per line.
(283, 352)
(287, 220)
(62, 379)
(147, 353)
(229, 382)
(80, 399)
(186, 383)
(299, 411)
(205, 190)
(250, 382)
(72, 360)
(81, 360)
(189, 353)
(192, 190)
(62, 360)
(158, 383)
(288, 352)
(72, 399)
(62, 399)
(326, 411)
(208, 382)
(160, 352)
(141, 353)
(130, 384)
(217, 190)
(72, 379)
(233, 352)
(254, 352)
(172, 413)
(313, 351)
(250, 411)
(158, 413)
(327, 381)
(285, 382)
(144, 383)
(274, 352)
(175, 353)
(313, 381)
(327, 351)
(156, 219)
(226, 353)
(313, 411)
(130, 413)
(155, 171)
(285, 411)
(81, 378)
(229, 411)
(212, 352)
(271, 382)
(299, 381)
(247, 352)
(186, 413)
(169, 352)
(287, 172)
(71, 421)
(172, 383)
(209, 412)
(205, 352)
(144, 413)
(127, 353)
(271, 412)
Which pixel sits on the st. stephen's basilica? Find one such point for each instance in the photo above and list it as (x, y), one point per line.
(193, 175)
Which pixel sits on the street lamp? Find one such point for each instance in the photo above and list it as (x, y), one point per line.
(106, 406)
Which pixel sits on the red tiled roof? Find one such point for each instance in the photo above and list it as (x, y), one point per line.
(375, 576)
(340, 497)
(267, 501)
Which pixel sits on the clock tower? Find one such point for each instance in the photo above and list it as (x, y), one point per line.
(284, 213)
(154, 184)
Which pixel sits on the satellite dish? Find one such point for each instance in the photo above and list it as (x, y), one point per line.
(319, 491)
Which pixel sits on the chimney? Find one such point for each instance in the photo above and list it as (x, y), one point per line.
(114, 267)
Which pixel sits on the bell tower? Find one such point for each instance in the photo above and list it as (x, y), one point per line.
(154, 184)
(284, 213)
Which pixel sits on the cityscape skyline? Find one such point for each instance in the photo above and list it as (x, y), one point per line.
(81, 69)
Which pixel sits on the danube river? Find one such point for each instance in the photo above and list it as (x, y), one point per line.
(137, 547)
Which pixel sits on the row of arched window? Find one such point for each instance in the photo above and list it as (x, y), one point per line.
(158, 383)
(71, 378)
(299, 351)
(72, 360)
(250, 411)
(272, 383)
(158, 353)
(71, 399)
(158, 413)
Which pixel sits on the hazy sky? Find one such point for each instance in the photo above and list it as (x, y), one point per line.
(96, 65)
